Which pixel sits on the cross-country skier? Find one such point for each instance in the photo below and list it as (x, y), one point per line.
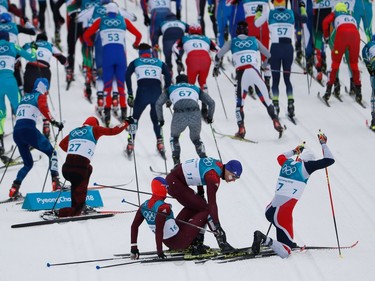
(363, 11)
(174, 233)
(41, 67)
(368, 55)
(149, 73)
(184, 97)
(159, 11)
(211, 10)
(26, 135)
(80, 146)
(281, 26)
(112, 29)
(291, 184)
(198, 61)
(346, 38)
(245, 55)
(8, 54)
(203, 172)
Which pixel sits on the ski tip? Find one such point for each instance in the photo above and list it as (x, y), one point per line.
(48, 264)
(97, 267)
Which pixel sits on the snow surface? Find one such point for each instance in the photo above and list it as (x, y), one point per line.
(25, 252)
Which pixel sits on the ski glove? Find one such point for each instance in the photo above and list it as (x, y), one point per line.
(298, 149)
(168, 103)
(33, 45)
(147, 20)
(322, 138)
(134, 254)
(56, 124)
(209, 120)
(161, 123)
(301, 4)
(220, 235)
(129, 120)
(162, 256)
(130, 100)
(216, 71)
(326, 40)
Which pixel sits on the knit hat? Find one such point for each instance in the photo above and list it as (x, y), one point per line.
(41, 85)
(42, 37)
(307, 155)
(182, 78)
(341, 7)
(143, 49)
(159, 187)
(242, 28)
(234, 167)
(91, 121)
(112, 8)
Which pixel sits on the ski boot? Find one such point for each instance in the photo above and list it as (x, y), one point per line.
(372, 126)
(267, 81)
(204, 112)
(14, 190)
(299, 56)
(115, 105)
(123, 113)
(160, 147)
(352, 87)
(241, 131)
(56, 186)
(35, 22)
(130, 147)
(259, 238)
(50, 215)
(100, 102)
(276, 107)
(87, 92)
(277, 125)
(327, 94)
(69, 78)
(358, 93)
(336, 88)
(291, 108)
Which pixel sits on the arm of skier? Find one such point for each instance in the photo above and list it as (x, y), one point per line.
(59, 56)
(264, 51)
(223, 50)
(167, 76)
(87, 35)
(327, 23)
(100, 131)
(129, 72)
(43, 107)
(133, 30)
(328, 160)
(212, 181)
(23, 53)
(285, 156)
(161, 217)
(138, 220)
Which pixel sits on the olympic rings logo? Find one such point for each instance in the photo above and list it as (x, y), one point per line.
(101, 10)
(4, 48)
(281, 16)
(288, 170)
(207, 161)
(149, 216)
(27, 98)
(112, 22)
(79, 132)
(149, 60)
(243, 44)
(5, 27)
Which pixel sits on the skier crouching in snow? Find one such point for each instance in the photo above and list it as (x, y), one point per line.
(77, 168)
(291, 184)
(174, 233)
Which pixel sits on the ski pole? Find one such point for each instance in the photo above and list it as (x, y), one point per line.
(8, 163)
(49, 166)
(217, 147)
(290, 72)
(164, 158)
(99, 186)
(135, 167)
(331, 202)
(58, 196)
(221, 98)
(226, 75)
(158, 213)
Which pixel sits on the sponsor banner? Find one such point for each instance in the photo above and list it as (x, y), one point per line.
(46, 200)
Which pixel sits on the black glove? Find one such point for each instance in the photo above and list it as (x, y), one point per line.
(259, 9)
(130, 100)
(33, 45)
(56, 124)
(162, 256)
(129, 120)
(322, 138)
(180, 66)
(301, 4)
(147, 20)
(201, 191)
(168, 103)
(220, 235)
(161, 123)
(298, 149)
(216, 71)
(134, 254)
(211, 9)
(178, 14)
(326, 40)
(25, 19)
(209, 120)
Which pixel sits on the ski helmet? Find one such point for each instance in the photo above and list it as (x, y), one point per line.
(159, 187)
(235, 167)
(182, 78)
(242, 28)
(41, 85)
(91, 121)
(195, 29)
